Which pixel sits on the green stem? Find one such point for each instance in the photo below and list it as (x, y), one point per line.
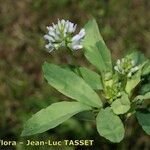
(74, 62)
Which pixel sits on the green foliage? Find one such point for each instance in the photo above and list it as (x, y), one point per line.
(92, 78)
(116, 84)
(145, 88)
(143, 117)
(52, 116)
(146, 69)
(141, 61)
(121, 105)
(92, 34)
(138, 57)
(112, 87)
(95, 49)
(133, 82)
(23, 93)
(71, 85)
(109, 125)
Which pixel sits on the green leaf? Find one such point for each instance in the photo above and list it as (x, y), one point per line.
(110, 125)
(52, 116)
(92, 78)
(145, 88)
(71, 85)
(143, 117)
(92, 33)
(140, 60)
(95, 49)
(133, 82)
(121, 105)
(146, 69)
(85, 116)
(138, 57)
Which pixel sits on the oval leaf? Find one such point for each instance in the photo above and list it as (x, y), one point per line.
(109, 125)
(52, 116)
(143, 117)
(71, 85)
(133, 82)
(95, 49)
(121, 105)
(92, 78)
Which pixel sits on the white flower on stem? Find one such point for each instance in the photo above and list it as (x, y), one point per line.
(62, 35)
(126, 66)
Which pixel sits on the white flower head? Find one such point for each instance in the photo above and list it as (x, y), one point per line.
(62, 34)
(126, 66)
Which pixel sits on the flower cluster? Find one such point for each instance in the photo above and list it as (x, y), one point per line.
(112, 92)
(126, 66)
(62, 35)
(112, 88)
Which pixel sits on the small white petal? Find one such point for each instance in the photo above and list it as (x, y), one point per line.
(66, 26)
(76, 38)
(118, 62)
(129, 74)
(52, 34)
(134, 69)
(54, 26)
(82, 33)
(62, 23)
(49, 38)
(59, 24)
(49, 46)
(116, 68)
(71, 27)
(57, 31)
(76, 47)
(50, 29)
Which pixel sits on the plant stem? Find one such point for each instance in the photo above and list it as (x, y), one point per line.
(74, 62)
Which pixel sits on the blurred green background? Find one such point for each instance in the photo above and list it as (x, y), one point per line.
(124, 25)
